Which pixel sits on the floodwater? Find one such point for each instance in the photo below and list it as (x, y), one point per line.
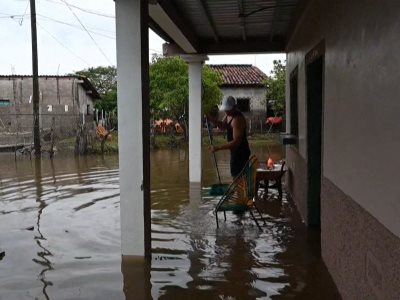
(59, 229)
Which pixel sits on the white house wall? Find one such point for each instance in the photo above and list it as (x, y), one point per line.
(360, 204)
(256, 95)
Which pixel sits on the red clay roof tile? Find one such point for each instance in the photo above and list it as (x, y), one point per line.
(240, 75)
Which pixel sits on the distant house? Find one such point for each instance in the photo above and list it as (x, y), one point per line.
(245, 83)
(64, 101)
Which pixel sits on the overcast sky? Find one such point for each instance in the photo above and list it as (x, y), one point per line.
(76, 36)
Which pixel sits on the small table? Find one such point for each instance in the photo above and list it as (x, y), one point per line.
(276, 174)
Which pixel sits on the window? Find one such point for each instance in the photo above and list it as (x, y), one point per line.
(294, 117)
(4, 102)
(243, 104)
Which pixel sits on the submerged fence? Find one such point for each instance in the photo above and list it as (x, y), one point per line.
(16, 130)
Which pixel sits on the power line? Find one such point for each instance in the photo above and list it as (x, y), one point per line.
(45, 18)
(83, 26)
(22, 19)
(12, 16)
(63, 22)
(93, 30)
(58, 41)
(84, 9)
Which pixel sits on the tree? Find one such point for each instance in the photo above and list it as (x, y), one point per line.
(212, 95)
(169, 89)
(275, 85)
(104, 79)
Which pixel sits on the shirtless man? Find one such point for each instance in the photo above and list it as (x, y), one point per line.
(235, 124)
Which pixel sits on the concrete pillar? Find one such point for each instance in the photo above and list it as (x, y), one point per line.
(195, 115)
(133, 108)
(195, 198)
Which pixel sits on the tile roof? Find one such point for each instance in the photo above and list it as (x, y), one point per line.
(240, 75)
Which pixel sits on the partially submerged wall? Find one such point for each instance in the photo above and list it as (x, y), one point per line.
(360, 227)
(63, 105)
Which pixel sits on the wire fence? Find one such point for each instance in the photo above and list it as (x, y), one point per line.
(16, 130)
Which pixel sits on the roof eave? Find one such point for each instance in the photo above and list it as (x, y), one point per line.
(255, 85)
(88, 86)
(165, 19)
(237, 46)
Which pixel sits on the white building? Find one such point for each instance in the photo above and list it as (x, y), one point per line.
(246, 84)
(342, 105)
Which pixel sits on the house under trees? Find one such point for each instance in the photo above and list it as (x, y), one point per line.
(246, 84)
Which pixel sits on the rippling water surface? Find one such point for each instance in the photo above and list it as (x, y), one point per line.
(59, 228)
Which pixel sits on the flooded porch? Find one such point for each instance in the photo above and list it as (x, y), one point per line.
(60, 232)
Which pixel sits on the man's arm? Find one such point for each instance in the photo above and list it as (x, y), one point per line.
(238, 125)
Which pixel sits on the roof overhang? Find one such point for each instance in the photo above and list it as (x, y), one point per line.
(225, 26)
(168, 26)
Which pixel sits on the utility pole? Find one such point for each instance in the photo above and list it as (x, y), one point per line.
(35, 79)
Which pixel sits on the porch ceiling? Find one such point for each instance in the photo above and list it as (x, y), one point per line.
(225, 26)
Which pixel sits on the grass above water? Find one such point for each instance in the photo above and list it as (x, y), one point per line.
(254, 139)
(162, 142)
(177, 141)
(110, 147)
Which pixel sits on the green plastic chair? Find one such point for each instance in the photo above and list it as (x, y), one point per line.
(241, 193)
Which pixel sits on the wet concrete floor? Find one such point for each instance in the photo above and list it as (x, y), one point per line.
(60, 233)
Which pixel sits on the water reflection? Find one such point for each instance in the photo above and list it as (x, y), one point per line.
(54, 251)
(136, 271)
(43, 253)
(74, 250)
(229, 263)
